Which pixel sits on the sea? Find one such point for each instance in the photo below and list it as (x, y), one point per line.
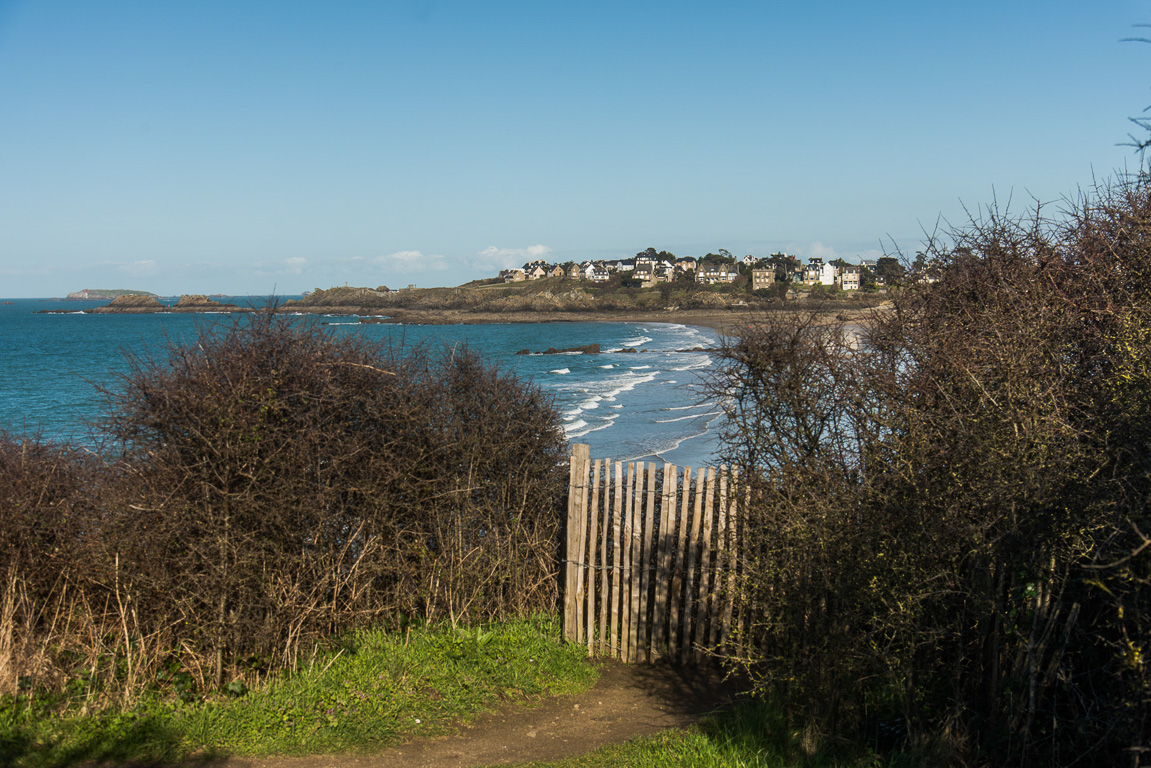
(628, 406)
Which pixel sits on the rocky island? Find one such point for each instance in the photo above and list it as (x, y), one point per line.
(140, 304)
(103, 294)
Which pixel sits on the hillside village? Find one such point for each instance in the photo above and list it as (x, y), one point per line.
(650, 268)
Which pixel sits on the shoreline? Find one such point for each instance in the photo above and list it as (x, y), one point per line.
(721, 321)
(724, 321)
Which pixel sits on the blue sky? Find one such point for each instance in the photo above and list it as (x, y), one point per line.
(252, 146)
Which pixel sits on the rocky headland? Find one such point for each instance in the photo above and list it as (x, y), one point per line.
(550, 300)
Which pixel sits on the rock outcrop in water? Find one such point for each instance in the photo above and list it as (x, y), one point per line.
(138, 305)
(130, 304)
(586, 349)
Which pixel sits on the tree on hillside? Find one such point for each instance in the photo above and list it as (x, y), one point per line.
(889, 269)
(652, 253)
(723, 256)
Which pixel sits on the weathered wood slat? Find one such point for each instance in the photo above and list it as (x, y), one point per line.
(593, 528)
(700, 634)
(689, 607)
(733, 515)
(635, 562)
(617, 560)
(625, 580)
(578, 480)
(643, 627)
(663, 555)
(679, 566)
(604, 538)
(719, 563)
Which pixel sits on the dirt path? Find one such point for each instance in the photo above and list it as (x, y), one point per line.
(627, 702)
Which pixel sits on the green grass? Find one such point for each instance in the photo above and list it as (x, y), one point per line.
(373, 690)
(751, 735)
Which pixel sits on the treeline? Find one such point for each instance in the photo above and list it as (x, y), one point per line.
(948, 543)
(264, 488)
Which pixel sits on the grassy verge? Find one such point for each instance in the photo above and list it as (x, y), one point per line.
(372, 690)
(752, 735)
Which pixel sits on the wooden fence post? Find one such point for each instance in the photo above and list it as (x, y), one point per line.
(577, 525)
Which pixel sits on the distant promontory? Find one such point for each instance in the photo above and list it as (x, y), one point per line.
(104, 294)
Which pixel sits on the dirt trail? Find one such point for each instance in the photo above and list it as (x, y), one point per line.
(628, 701)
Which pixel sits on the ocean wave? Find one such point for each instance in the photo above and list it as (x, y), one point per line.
(561, 371)
(570, 429)
(637, 341)
(703, 362)
(586, 429)
(685, 418)
(609, 365)
(638, 367)
(628, 383)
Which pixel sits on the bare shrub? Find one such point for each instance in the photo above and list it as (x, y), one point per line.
(272, 484)
(948, 531)
(293, 484)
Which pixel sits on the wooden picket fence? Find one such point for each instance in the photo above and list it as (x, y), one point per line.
(651, 561)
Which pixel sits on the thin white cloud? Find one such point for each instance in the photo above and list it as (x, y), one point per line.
(409, 262)
(293, 265)
(493, 258)
(818, 250)
(141, 267)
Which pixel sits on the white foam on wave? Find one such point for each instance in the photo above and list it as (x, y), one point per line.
(637, 341)
(572, 430)
(672, 444)
(685, 418)
(561, 371)
(687, 407)
(628, 382)
(703, 361)
(586, 429)
(638, 367)
(609, 365)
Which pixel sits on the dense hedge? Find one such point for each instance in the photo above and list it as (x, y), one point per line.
(272, 484)
(948, 538)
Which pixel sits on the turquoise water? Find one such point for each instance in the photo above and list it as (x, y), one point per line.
(632, 406)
